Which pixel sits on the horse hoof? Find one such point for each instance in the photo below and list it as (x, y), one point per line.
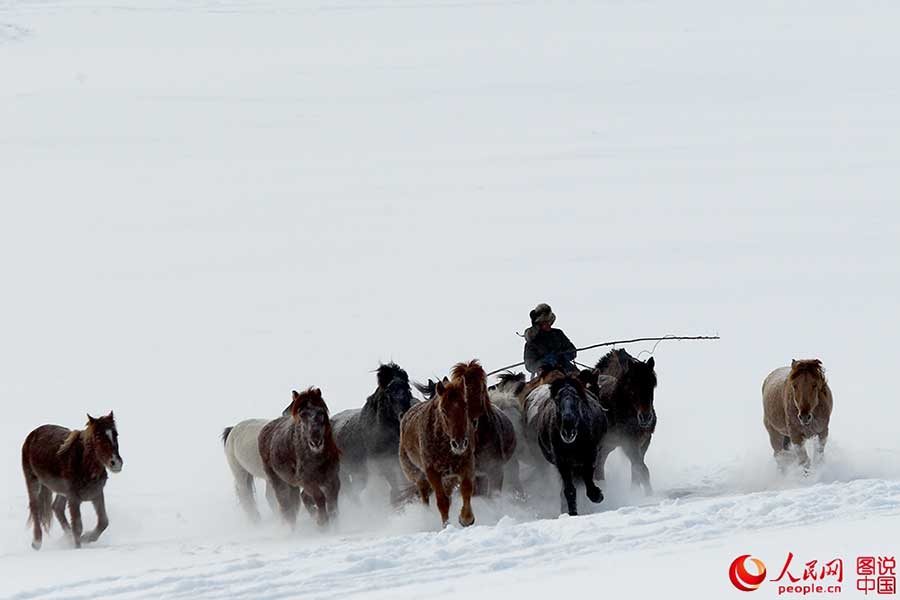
(466, 522)
(595, 495)
(36, 544)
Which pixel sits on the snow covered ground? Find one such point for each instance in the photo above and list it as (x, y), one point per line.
(207, 204)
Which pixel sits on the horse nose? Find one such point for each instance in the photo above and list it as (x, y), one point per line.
(805, 419)
(459, 446)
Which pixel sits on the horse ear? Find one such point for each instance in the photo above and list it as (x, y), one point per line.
(91, 420)
(317, 392)
(445, 381)
(110, 416)
(651, 363)
(294, 408)
(439, 388)
(793, 363)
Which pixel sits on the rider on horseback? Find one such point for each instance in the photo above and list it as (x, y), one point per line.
(545, 346)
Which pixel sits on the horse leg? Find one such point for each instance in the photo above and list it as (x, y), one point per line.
(511, 473)
(332, 491)
(797, 440)
(593, 492)
(495, 479)
(59, 509)
(640, 474)
(287, 500)
(75, 515)
(315, 494)
(645, 445)
(271, 499)
(600, 471)
(466, 488)
(35, 490)
(244, 486)
(440, 496)
(568, 501)
(102, 519)
(820, 444)
(424, 489)
(780, 445)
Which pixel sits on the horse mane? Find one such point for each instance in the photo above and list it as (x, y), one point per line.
(615, 362)
(311, 396)
(70, 439)
(557, 384)
(618, 362)
(388, 372)
(810, 367)
(428, 390)
(471, 368)
(513, 382)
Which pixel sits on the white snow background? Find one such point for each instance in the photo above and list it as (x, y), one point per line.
(206, 204)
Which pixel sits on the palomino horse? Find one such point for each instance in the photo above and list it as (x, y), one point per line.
(437, 447)
(299, 454)
(568, 425)
(72, 464)
(797, 406)
(625, 388)
(242, 452)
(370, 436)
(495, 436)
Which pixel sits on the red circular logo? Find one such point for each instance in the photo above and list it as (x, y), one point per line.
(742, 578)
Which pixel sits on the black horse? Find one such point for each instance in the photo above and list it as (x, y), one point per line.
(625, 387)
(568, 425)
(370, 436)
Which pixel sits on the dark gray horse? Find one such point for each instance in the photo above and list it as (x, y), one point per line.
(369, 437)
(625, 387)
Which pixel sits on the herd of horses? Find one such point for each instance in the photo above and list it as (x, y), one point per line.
(463, 434)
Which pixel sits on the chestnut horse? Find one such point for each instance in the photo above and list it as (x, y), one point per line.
(301, 458)
(72, 464)
(797, 406)
(495, 436)
(437, 447)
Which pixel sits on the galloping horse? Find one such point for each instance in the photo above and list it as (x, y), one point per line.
(625, 387)
(370, 436)
(495, 436)
(72, 464)
(437, 447)
(797, 405)
(242, 453)
(568, 426)
(299, 453)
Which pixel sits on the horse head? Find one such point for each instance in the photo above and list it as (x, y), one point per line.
(475, 379)
(806, 383)
(393, 386)
(570, 398)
(310, 413)
(454, 413)
(104, 438)
(635, 385)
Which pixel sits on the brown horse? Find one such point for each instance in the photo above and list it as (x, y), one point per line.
(437, 447)
(301, 458)
(72, 464)
(495, 435)
(796, 406)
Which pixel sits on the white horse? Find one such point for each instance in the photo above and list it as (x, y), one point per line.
(242, 453)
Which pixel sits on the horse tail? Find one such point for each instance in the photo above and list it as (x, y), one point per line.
(426, 389)
(225, 433)
(44, 509)
(406, 495)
